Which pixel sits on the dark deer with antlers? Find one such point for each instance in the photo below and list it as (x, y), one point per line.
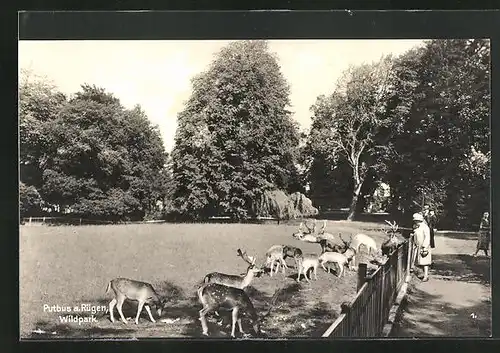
(392, 243)
(215, 296)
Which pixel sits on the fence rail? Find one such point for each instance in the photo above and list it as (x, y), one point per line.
(367, 313)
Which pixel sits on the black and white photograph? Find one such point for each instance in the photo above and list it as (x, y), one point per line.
(254, 188)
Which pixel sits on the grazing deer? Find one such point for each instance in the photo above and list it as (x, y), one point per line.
(273, 255)
(214, 296)
(307, 262)
(340, 259)
(392, 243)
(362, 239)
(293, 252)
(141, 292)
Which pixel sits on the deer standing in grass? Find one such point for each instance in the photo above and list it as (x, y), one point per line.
(339, 259)
(141, 292)
(276, 254)
(306, 263)
(214, 296)
(363, 240)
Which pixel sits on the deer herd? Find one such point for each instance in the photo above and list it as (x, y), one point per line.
(226, 292)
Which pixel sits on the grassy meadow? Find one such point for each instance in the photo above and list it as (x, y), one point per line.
(71, 265)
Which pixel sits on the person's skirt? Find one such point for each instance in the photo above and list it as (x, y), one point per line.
(483, 242)
(424, 261)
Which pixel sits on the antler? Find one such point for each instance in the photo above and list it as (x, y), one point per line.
(393, 225)
(248, 259)
(341, 238)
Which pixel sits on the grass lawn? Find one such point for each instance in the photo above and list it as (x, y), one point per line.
(69, 266)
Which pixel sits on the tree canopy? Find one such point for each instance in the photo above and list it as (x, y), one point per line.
(88, 154)
(235, 138)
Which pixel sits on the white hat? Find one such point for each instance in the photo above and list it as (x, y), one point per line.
(418, 217)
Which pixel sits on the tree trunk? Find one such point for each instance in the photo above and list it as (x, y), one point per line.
(354, 201)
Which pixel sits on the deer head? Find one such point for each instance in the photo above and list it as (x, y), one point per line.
(393, 229)
(250, 260)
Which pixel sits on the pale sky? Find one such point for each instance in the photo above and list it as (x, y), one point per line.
(156, 74)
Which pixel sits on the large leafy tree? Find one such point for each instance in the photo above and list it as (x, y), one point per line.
(444, 89)
(39, 103)
(235, 138)
(352, 124)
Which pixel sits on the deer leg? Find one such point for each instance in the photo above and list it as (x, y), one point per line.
(203, 320)
(111, 309)
(316, 272)
(241, 327)
(298, 274)
(283, 265)
(139, 309)
(323, 266)
(119, 304)
(305, 274)
(148, 309)
(233, 323)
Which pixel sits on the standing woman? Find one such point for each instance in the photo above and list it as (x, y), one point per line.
(422, 236)
(483, 241)
(430, 218)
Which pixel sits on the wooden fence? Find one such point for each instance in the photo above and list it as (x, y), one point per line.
(368, 312)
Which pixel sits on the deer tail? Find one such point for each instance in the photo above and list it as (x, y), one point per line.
(108, 287)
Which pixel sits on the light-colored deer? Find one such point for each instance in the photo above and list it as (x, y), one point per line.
(341, 260)
(307, 262)
(275, 255)
(133, 290)
(368, 242)
(214, 296)
(234, 280)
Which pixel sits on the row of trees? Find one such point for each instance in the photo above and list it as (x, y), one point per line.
(418, 123)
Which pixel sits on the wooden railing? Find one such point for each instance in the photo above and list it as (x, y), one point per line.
(368, 312)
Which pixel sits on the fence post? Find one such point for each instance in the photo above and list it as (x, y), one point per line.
(383, 292)
(80, 221)
(30, 221)
(361, 275)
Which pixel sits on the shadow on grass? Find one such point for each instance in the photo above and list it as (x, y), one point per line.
(462, 267)
(441, 319)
